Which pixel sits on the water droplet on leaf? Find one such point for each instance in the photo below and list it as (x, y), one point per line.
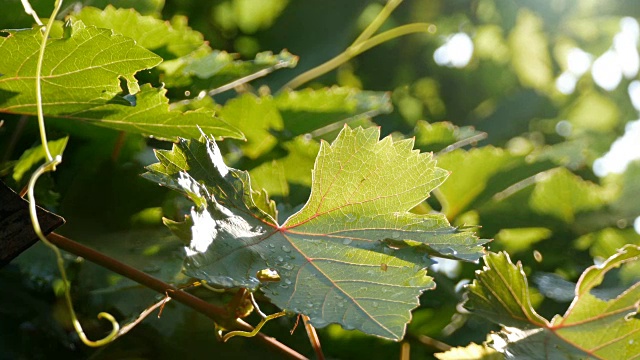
(347, 241)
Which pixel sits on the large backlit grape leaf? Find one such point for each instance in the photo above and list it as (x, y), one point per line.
(352, 255)
(590, 328)
(81, 81)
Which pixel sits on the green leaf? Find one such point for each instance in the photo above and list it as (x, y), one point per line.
(279, 175)
(309, 110)
(33, 156)
(255, 117)
(470, 352)
(265, 119)
(189, 61)
(590, 328)
(145, 7)
(216, 70)
(554, 199)
(167, 39)
(562, 195)
(14, 17)
(97, 98)
(353, 255)
(479, 174)
(530, 54)
(437, 136)
(152, 116)
(248, 16)
(501, 293)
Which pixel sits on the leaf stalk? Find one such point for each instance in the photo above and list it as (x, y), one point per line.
(363, 43)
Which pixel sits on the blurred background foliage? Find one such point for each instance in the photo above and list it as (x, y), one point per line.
(554, 85)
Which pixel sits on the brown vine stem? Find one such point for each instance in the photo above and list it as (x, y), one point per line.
(194, 302)
(432, 343)
(313, 337)
(117, 148)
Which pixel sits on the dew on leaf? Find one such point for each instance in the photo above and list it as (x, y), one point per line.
(272, 246)
(395, 234)
(286, 249)
(347, 241)
(280, 259)
(268, 275)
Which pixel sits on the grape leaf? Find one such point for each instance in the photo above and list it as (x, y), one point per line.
(590, 328)
(32, 157)
(479, 174)
(439, 135)
(553, 199)
(352, 255)
(308, 110)
(167, 39)
(265, 119)
(190, 63)
(470, 352)
(145, 7)
(97, 97)
(278, 176)
(219, 71)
